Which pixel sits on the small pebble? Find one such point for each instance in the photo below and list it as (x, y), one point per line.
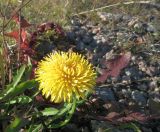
(105, 93)
(139, 97)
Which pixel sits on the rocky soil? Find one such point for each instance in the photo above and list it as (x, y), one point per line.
(137, 88)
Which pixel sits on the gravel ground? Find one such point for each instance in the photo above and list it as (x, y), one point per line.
(137, 88)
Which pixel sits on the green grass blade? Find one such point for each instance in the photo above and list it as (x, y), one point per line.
(13, 91)
(18, 77)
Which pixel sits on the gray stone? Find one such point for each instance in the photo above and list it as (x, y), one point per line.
(104, 39)
(157, 89)
(133, 58)
(126, 93)
(78, 40)
(118, 17)
(76, 22)
(132, 22)
(151, 28)
(126, 79)
(99, 41)
(87, 39)
(109, 16)
(114, 79)
(80, 46)
(143, 87)
(75, 28)
(105, 93)
(122, 101)
(105, 16)
(71, 36)
(139, 97)
(128, 72)
(81, 33)
(138, 25)
(95, 30)
(93, 44)
(135, 75)
(126, 17)
(154, 94)
(96, 37)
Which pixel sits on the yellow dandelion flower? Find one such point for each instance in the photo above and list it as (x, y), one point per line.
(63, 75)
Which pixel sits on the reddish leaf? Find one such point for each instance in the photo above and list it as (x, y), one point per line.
(114, 66)
(15, 35)
(136, 116)
(43, 28)
(24, 35)
(59, 30)
(116, 118)
(24, 46)
(50, 25)
(24, 22)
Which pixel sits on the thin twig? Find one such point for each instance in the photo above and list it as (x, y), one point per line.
(121, 83)
(113, 5)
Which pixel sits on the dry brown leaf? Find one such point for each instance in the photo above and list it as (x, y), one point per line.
(114, 66)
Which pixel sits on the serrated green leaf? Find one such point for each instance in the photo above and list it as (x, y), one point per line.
(18, 77)
(68, 115)
(49, 111)
(63, 110)
(13, 91)
(61, 113)
(19, 100)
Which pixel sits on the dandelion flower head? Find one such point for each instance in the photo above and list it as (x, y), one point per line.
(62, 75)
